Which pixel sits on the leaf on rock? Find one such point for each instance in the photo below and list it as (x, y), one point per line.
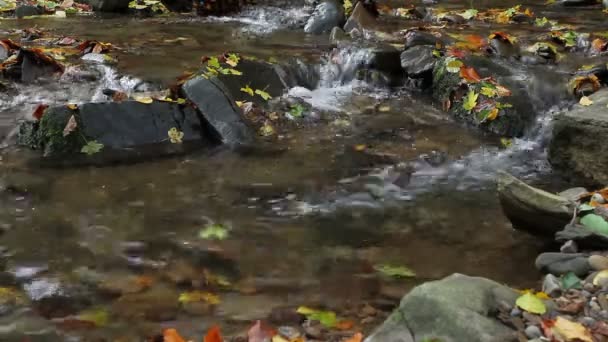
(565, 330)
(263, 94)
(213, 232)
(171, 335)
(585, 101)
(469, 74)
(199, 296)
(144, 99)
(233, 59)
(469, 14)
(72, 106)
(91, 147)
(453, 65)
(70, 126)
(39, 111)
(395, 271)
(175, 135)
(470, 101)
(531, 303)
(327, 318)
(213, 335)
(247, 89)
(570, 281)
(595, 223)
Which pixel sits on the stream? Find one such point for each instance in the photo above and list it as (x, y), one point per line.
(306, 224)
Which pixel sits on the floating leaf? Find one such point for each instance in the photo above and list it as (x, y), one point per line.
(565, 330)
(470, 101)
(144, 99)
(453, 65)
(39, 111)
(595, 223)
(263, 94)
(247, 89)
(70, 126)
(98, 317)
(213, 232)
(91, 147)
(327, 318)
(585, 101)
(267, 130)
(175, 135)
(296, 110)
(601, 277)
(395, 271)
(213, 335)
(570, 281)
(198, 296)
(531, 303)
(488, 90)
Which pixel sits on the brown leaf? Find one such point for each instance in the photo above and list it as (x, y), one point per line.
(358, 337)
(599, 45)
(469, 74)
(70, 126)
(171, 335)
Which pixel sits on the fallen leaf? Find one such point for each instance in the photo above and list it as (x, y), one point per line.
(70, 126)
(91, 147)
(344, 325)
(327, 318)
(570, 331)
(395, 271)
(453, 65)
(595, 223)
(247, 89)
(358, 337)
(213, 232)
(199, 296)
(263, 94)
(144, 99)
(570, 281)
(175, 135)
(600, 277)
(72, 106)
(257, 333)
(213, 335)
(531, 303)
(585, 101)
(470, 101)
(39, 111)
(171, 335)
(469, 74)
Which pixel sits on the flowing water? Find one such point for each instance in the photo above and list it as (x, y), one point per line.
(306, 224)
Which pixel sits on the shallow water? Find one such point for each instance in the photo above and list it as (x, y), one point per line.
(316, 216)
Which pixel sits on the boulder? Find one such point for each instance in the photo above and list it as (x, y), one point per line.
(574, 149)
(456, 308)
(27, 10)
(418, 62)
(562, 263)
(584, 237)
(55, 298)
(360, 19)
(128, 131)
(531, 209)
(326, 15)
(109, 5)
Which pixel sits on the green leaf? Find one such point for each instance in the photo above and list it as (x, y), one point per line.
(595, 223)
(541, 21)
(488, 91)
(470, 101)
(531, 303)
(501, 105)
(91, 147)
(327, 318)
(469, 14)
(506, 142)
(234, 72)
(213, 232)
(453, 65)
(247, 89)
(213, 62)
(436, 53)
(395, 271)
(296, 110)
(571, 281)
(263, 94)
(233, 59)
(99, 317)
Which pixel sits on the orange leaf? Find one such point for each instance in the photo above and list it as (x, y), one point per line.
(358, 337)
(171, 335)
(502, 36)
(469, 74)
(493, 114)
(144, 281)
(599, 45)
(456, 52)
(213, 335)
(344, 325)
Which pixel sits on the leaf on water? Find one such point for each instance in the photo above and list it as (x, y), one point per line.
(267, 129)
(453, 65)
(600, 277)
(488, 91)
(470, 101)
(565, 330)
(171, 335)
(469, 14)
(570, 281)
(541, 21)
(395, 271)
(70, 126)
(469, 74)
(595, 223)
(585, 101)
(213, 232)
(492, 114)
(91, 147)
(214, 63)
(198, 296)
(531, 303)
(98, 317)
(506, 142)
(263, 94)
(175, 135)
(213, 335)
(358, 337)
(247, 89)
(144, 99)
(327, 318)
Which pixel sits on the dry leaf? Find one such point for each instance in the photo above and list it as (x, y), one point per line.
(257, 333)
(171, 335)
(70, 126)
(358, 337)
(469, 74)
(585, 101)
(570, 331)
(39, 111)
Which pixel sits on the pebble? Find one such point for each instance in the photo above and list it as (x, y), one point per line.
(598, 198)
(598, 262)
(516, 312)
(589, 287)
(569, 247)
(533, 332)
(604, 314)
(587, 321)
(586, 293)
(551, 285)
(594, 306)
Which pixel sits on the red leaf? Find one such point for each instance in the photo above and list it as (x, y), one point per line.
(469, 74)
(39, 112)
(213, 335)
(456, 52)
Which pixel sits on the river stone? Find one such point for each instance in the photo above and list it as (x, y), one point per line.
(217, 105)
(418, 61)
(327, 15)
(573, 194)
(33, 69)
(456, 308)
(55, 298)
(552, 285)
(336, 37)
(574, 149)
(560, 264)
(584, 237)
(531, 209)
(360, 19)
(27, 10)
(598, 262)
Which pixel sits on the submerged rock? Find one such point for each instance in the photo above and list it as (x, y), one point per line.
(583, 236)
(27, 10)
(327, 15)
(531, 209)
(574, 149)
(456, 308)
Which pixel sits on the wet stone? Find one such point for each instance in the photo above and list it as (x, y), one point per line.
(326, 15)
(55, 298)
(598, 262)
(533, 331)
(569, 247)
(560, 263)
(551, 285)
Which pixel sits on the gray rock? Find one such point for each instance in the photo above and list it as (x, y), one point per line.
(572, 149)
(515, 312)
(109, 5)
(360, 19)
(533, 332)
(418, 61)
(531, 209)
(584, 237)
(27, 10)
(338, 36)
(569, 247)
(34, 69)
(598, 262)
(55, 298)
(573, 194)
(327, 15)
(560, 263)
(456, 308)
(587, 321)
(551, 285)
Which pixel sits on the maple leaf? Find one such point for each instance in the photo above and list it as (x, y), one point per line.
(470, 101)
(171, 335)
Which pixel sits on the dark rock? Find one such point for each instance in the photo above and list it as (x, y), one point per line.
(285, 315)
(109, 5)
(360, 19)
(27, 10)
(300, 73)
(570, 3)
(418, 62)
(453, 19)
(417, 37)
(128, 131)
(574, 150)
(179, 5)
(531, 209)
(327, 15)
(34, 68)
(217, 105)
(55, 298)
(569, 246)
(456, 308)
(560, 263)
(503, 48)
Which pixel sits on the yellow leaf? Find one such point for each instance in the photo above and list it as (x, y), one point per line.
(199, 296)
(279, 338)
(239, 103)
(542, 295)
(175, 135)
(144, 99)
(599, 277)
(531, 303)
(72, 106)
(263, 94)
(267, 130)
(247, 89)
(384, 109)
(493, 114)
(585, 101)
(570, 331)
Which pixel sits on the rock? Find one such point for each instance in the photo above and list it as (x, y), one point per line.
(569, 247)
(109, 5)
(25, 326)
(218, 107)
(584, 237)
(456, 308)
(503, 48)
(34, 68)
(327, 15)
(418, 62)
(360, 19)
(560, 263)
(338, 36)
(570, 3)
(552, 285)
(27, 10)
(598, 262)
(127, 130)
(533, 331)
(573, 149)
(531, 209)
(157, 304)
(55, 298)
(416, 37)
